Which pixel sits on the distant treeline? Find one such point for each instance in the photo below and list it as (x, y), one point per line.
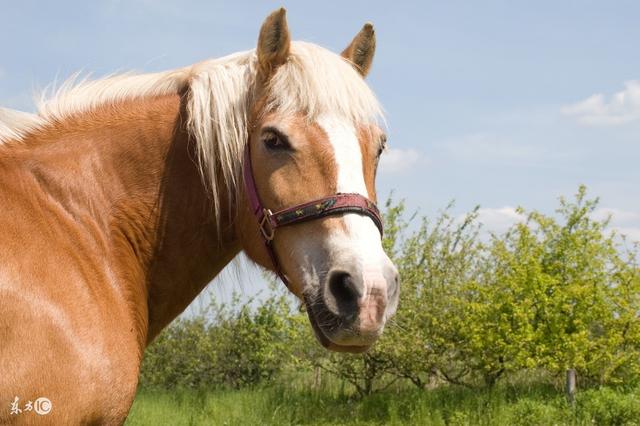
(555, 293)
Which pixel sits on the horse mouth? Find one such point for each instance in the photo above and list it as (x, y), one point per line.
(322, 337)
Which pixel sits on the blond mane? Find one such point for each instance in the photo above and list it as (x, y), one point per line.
(14, 125)
(221, 91)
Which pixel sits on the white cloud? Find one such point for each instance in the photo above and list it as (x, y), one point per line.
(632, 234)
(622, 221)
(496, 220)
(623, 107)
(396, 160)
(620, 217)
(499, 220)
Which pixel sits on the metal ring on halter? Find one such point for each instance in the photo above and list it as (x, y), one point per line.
(267, 234)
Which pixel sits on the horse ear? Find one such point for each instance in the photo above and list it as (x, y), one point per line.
(274, 42)
(362, 48)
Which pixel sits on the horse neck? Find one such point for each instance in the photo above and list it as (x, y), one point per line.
(144, 186)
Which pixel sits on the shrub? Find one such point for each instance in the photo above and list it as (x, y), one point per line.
(605, 406)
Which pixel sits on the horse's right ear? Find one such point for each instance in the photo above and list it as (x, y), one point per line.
(361, 50)
(274, 43)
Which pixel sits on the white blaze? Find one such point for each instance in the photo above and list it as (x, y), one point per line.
(362, 240)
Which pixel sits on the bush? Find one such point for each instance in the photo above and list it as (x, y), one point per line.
(184, 355)
(529, 412)
(228, 346)
(605, 406)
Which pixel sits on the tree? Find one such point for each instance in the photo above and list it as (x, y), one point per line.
(183, 355)
(252, 344)
(434, 263)
(233, 345)
(554, 294)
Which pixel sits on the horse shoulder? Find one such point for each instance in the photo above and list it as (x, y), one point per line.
(67, 334)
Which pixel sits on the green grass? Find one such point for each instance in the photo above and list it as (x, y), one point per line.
(280, 405)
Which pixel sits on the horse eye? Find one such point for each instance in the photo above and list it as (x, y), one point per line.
(275, 141)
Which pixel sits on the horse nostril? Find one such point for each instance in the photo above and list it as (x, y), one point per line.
(343, 287)
(345, 290)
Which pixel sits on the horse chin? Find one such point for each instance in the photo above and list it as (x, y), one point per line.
(326, 342)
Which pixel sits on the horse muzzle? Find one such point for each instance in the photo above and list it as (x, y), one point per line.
(349, 310)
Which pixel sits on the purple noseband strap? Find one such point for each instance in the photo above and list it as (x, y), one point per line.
(332, 205)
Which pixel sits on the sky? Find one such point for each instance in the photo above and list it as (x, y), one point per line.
(495, 103)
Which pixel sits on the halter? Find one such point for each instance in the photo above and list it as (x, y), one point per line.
(269, 221)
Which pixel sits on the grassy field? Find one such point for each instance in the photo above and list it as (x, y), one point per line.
(280, 405)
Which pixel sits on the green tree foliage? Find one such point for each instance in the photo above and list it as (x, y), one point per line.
(434, 262)
(554, 292)
(557, 294)
(183, 355)
(230, 345)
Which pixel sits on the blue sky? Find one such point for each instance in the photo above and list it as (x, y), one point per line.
(496, 103)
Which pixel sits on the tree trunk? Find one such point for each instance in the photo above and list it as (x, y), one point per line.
(433, 379)
(317, 377)
(571, 386)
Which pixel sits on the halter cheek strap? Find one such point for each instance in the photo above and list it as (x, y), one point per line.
(269, 221)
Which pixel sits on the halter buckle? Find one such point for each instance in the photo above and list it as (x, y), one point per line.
(265, 225)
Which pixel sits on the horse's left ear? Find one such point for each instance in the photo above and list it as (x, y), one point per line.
(362, 48)
(274, 42)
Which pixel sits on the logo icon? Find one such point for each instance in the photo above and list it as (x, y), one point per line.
(42, 406)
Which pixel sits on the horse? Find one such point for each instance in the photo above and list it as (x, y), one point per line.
(123, 197)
